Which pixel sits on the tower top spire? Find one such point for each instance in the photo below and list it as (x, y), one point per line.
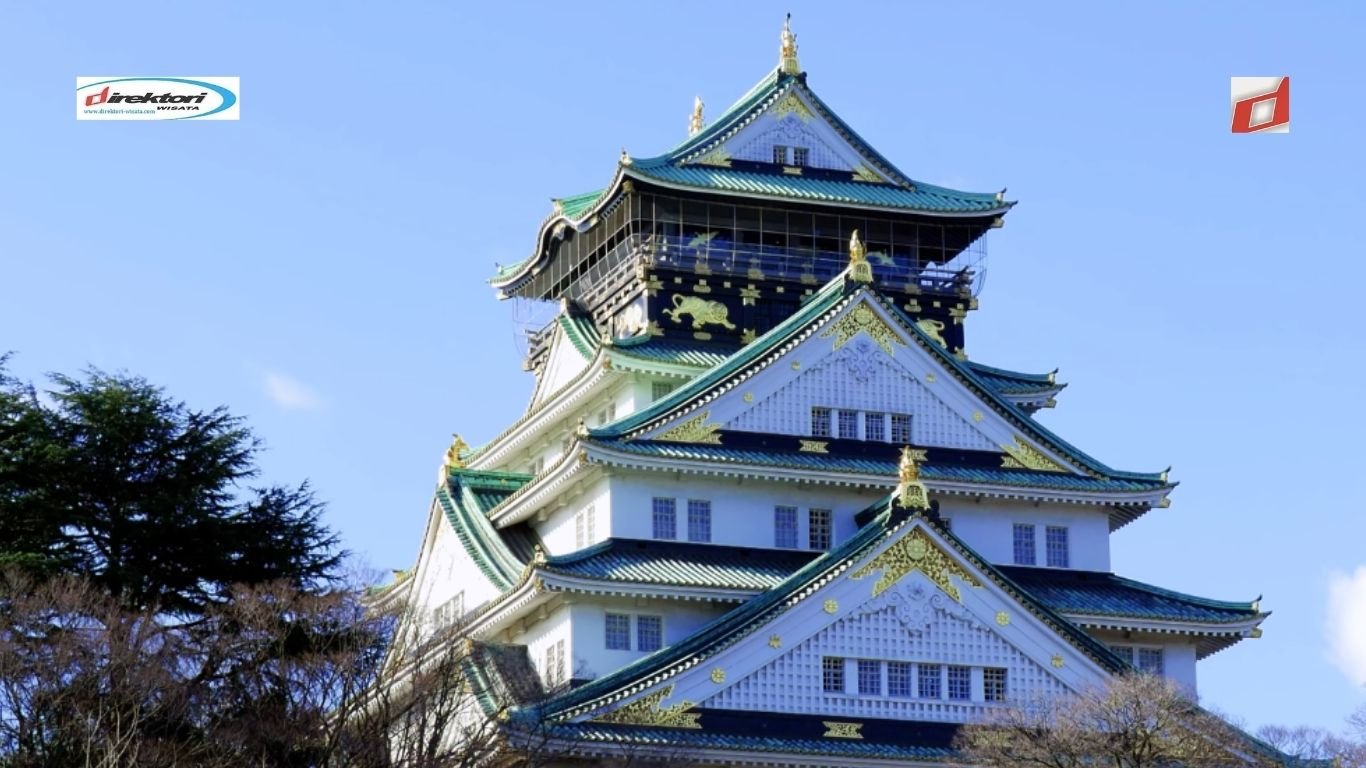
(787, 53)
(696, 122)
(910, 492)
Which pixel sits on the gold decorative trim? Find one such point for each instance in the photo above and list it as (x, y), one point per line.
(718, 157)
(860, 270)
(930, 378)
(696, 121)
(792, 170)
(932, 328)
(749, 397)
(863, 173)
(916, 552)
(748, 335)
(775, 641)
(1002, 619)
(655, 329)
(1022, 455)
(961, 354)
(701, 287)
(701, 335)
(646, 710)
(787, 51)
(704, 312)
(694, 430)
(835, 730)
(1057, 661)
(796, 365)
(748, 296)
(790, 104)
(454, 459)
(814, 446)
(830, 606)
(653, 285)
(977, 416)
(718, 675)
(862, 319)
(910, 492)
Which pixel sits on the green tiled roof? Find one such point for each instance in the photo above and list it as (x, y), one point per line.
(673, 351)
(1105, 594)
(465, 498)
(581, 333)
(1013, 382)
(574, 206)
(693, 565)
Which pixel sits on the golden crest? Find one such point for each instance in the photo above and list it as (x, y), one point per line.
(916, 552)
(694, 430)
(647, 711)
(862, 319)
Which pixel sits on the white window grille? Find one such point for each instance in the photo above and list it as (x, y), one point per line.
(875, 426)
(584, 526)
(869, 677)
(649, 633)
(665, 518)
(618, 632)
(1055, 546)
(930, 677)
(1150, 660)
(960, 683)
(661, 389)
(699, 520)
(800, 155)
(899, 679)
(1024, 544)
(780, 154)
(848, 425)
(785, 527)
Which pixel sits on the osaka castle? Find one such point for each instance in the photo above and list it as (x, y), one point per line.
(763, 507)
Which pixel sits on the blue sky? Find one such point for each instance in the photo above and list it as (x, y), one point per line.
(320, 265)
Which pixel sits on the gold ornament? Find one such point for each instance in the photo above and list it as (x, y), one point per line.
(787, 50)
(1002, 618)
(830, 606)
(932, 328)
(910, 492)
(454, 459)
(775, 642)
(695, 122)
(814, 446)
(860, 270)
(718, 157)
(703, 311)
(646, 710)
(866, 174)
(842, 730)
(694, 430)
(718, 675)
(862, 319)
(1057, 661)
(1022, 455)
(916, 552)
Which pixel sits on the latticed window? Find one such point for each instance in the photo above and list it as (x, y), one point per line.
(660, 389)
(1024, 544)
(800, 155)
(554, 664)
(584, 524)
(820, 422)
(1125, 652)
(649, 633)
(929, 677)
(1055, 546)
(618, 632)
(832, 674)
(875, 426)
(899, 679)
(699, 520)
(780, 154)
(665, 518)
(848, 425)
(901, 428)
(960, 683)
(994, 684)
(785, 527)
(869, 677)
(818, 527)
(1150, 660)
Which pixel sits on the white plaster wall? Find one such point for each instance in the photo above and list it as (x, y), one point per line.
(557, 529)
(538, 635)
(565, 362)
(593, 659)
(988, 527)
(448, 569)
(1178, 656)
(741, 510)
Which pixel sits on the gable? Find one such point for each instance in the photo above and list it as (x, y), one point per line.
(565, 360)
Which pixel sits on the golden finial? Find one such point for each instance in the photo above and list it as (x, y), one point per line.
(537, 555)
(582, 429)
(453, 458)
(787, 53)
(910, 491)
(695, 124)
(859, 268)
(625, 159)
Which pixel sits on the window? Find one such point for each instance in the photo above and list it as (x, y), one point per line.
(848, 425)
(660, 389)
(1024, 544)
(869, 677)
(820, 422)
(875, 426)
(554, 664)
(800, 155)
(780, 154)
(1125, 652)
(649, 633)
(960, 683)
(449, 611)
(1150, 660)
(994, 684)
(665, 518)
(832, 674)
(618, 632)
(1055, 546)
(929, 678)
(901, 428)
(583, 526)
(899, 679)
(818, 521)
(699, 520)
(785, 527)
(537, 464)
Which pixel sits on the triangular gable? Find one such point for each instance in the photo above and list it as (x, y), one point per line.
(570, 352)
(859, 357)
(909, 592)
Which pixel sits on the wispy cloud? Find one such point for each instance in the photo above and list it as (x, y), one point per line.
(1347, 623)
(291, 394)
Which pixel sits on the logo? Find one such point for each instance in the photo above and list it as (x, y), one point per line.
(157, 98)
(1260, 104)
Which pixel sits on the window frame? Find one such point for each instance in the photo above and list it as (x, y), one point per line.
(958, 682)
(900, 428)
(699, 521)
(929, 673)
(779, 529)
(821, 421)
(656, 632)
(995, 684)
(833, 677)
(624, 632)
(1020, 544)
(826, 529)
(869, 677)
(1057, 549)
(664, 510)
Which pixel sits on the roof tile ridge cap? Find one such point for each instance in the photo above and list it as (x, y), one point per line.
(1207, 602)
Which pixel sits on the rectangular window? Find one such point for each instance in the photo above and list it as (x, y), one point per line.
(660, 389)
(1125, 652)
(785, 527)
(1150, 660)
(994, 684)
(584, 533)
(929, 678)
(869, 677)
(1055, 546)
(780, 154)
(665, 518)
(820, 422)
(818, 522)
(960, 683)
(832, 674)
(899, 679)
(554, 664)
(618, 632)
(649, 633)
(901, 429)
(848, 425)
(1024, 544)
(699, 520)
(800, 155)
(875, 426)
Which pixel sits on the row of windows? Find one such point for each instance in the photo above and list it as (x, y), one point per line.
(664, 517)
(910, 680)
(1056, 549)
(450, 611)
(649, 632)
(1146, 659)
(860, 425)
(800, 155)
(818, 528)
